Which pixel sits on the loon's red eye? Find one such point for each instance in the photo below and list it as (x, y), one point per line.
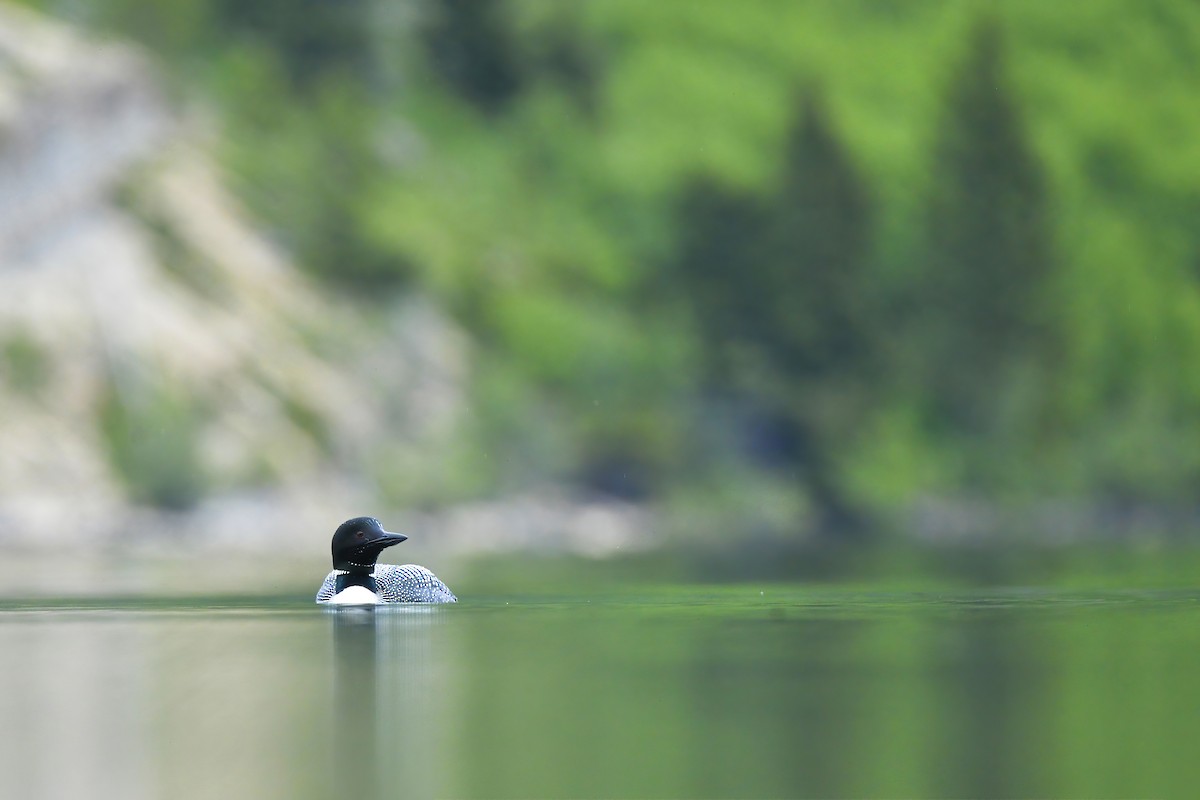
(359, 535)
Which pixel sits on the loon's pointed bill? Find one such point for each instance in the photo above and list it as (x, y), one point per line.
(357, 580)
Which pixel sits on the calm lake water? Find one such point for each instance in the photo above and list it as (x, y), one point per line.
(647, 690)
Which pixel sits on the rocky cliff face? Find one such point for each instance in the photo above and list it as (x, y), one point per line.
(155, 352)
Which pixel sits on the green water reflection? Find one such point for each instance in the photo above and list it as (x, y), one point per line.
(737, 691)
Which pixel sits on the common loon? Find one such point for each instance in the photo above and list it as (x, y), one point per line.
(357, 580)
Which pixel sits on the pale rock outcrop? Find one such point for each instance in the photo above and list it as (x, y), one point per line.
(124, 266)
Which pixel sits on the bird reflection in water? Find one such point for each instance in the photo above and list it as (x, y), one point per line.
(387, 700)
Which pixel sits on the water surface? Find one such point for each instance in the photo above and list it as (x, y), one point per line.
(749, 690)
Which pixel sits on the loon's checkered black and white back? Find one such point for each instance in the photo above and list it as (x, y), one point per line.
(407, 583)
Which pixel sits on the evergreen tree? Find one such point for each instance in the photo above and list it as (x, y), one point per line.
(816, 299)
(716, 265)
(781, 284)
(816, 248)
(989, 243)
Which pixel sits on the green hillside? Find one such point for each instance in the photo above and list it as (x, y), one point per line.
(827, 258)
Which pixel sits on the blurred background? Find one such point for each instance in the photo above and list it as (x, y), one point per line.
(598, 276)
(800, 395)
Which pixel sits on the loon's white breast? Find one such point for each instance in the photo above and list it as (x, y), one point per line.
(355, 596)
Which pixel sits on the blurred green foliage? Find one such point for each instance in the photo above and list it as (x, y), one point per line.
(470, 46)
(24, 364)
(890, 249)
(152, 432)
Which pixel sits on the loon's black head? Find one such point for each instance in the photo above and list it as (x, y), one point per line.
(358, 542)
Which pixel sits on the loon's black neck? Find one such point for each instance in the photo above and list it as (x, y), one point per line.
(356, 578)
